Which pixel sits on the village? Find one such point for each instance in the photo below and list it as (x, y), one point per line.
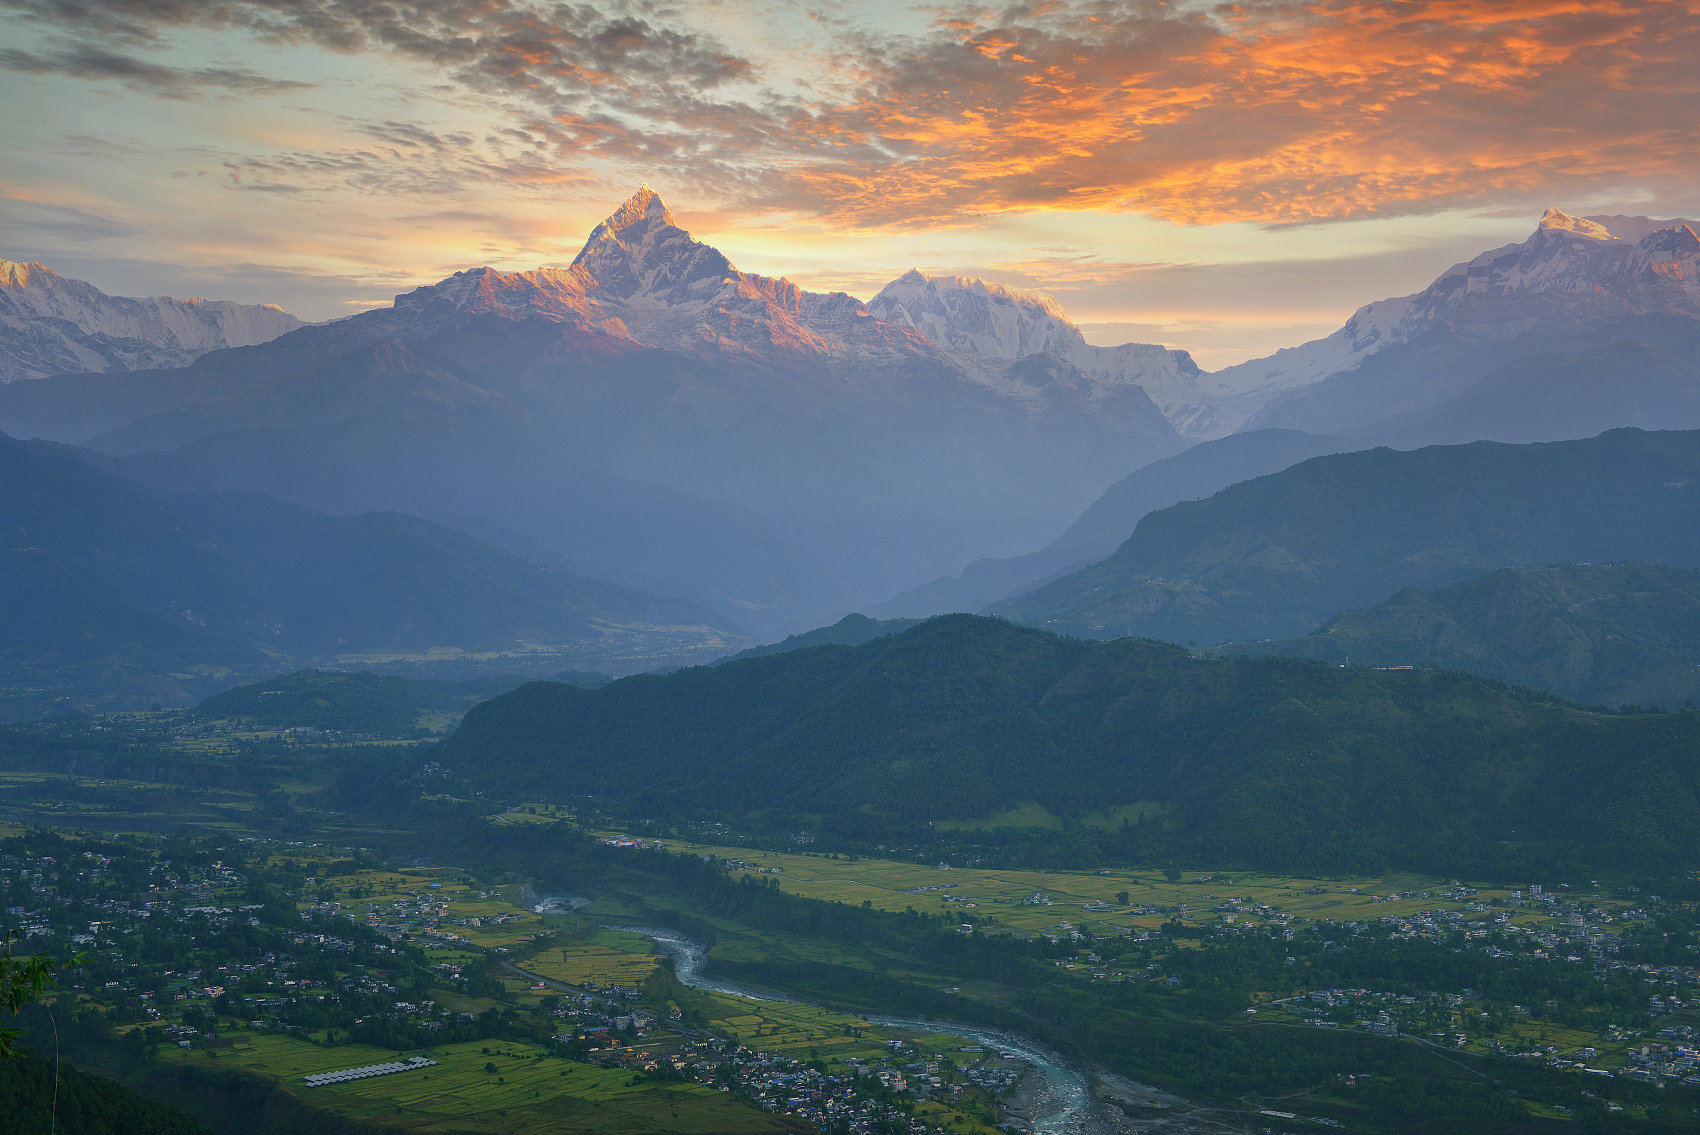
(186, 951)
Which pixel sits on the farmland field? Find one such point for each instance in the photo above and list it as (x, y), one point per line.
(528, 1092)
(1032, 902)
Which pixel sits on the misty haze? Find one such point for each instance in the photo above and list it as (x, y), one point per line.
(1081, 569)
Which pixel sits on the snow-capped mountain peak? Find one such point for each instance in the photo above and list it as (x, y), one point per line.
(986, 320)
(1557, 220)
(976, 317)
(16, 275)
(50, 324)
(641, 261)
(1572, 274)
(645, 208)
(642, 277)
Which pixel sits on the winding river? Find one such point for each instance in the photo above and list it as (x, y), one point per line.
(1060, 1101)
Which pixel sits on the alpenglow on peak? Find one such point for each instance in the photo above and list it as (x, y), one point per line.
(641, 209)
(1556, 219)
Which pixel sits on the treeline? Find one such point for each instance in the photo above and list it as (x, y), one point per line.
(36, 1094)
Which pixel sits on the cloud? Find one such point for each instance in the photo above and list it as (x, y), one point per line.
(1274, 111)
(558, 53)
(84, 61)
(1269, 111)
(61, 211)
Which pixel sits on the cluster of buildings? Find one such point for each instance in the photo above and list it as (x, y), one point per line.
(79, 897)
(869, 1095)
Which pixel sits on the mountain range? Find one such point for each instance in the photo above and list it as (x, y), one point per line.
(51, 325)
(115, 596)
(650, 415)
(1199, 472)
(1577, 285)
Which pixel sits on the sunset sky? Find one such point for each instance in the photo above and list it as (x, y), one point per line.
(1228, 178)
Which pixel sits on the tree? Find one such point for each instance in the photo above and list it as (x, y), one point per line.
(23, 980)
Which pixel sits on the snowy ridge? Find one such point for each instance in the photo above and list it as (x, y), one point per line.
(642, 278)
(1571, 272)
(974, 317)
(985, 320)
(53, 325)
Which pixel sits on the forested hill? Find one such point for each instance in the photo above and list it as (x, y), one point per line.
(1602, 634)
(1275, 762)
(1277, 556)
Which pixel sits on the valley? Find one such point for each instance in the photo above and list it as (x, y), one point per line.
(1063, 569)
(1565, 990)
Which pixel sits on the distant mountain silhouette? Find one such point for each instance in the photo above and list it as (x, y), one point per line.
(1276, 556)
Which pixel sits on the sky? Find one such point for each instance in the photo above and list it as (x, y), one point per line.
(1226, 178)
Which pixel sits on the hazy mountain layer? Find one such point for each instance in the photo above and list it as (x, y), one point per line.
(378, 704)
(1204, 469)
(1276, 556)
(117, 596)
(1266, 761)
(851, 630)
(1649, 382)
(1608, 634)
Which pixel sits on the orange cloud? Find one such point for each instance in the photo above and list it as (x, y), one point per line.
(1277, 111)
(1269, 111)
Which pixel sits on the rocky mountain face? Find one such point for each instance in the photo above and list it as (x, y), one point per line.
(640, 277)
(53, 325)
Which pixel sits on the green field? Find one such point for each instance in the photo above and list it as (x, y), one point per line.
(529, 1092)
(1007, 897)
(606, 957)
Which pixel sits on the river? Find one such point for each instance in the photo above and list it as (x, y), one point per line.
(1058, 1101)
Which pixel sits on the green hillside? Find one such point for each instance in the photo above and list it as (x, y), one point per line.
(1603, 634)
(1273, 762)
(1276, 556)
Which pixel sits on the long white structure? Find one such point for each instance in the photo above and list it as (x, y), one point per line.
(369, 1070)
